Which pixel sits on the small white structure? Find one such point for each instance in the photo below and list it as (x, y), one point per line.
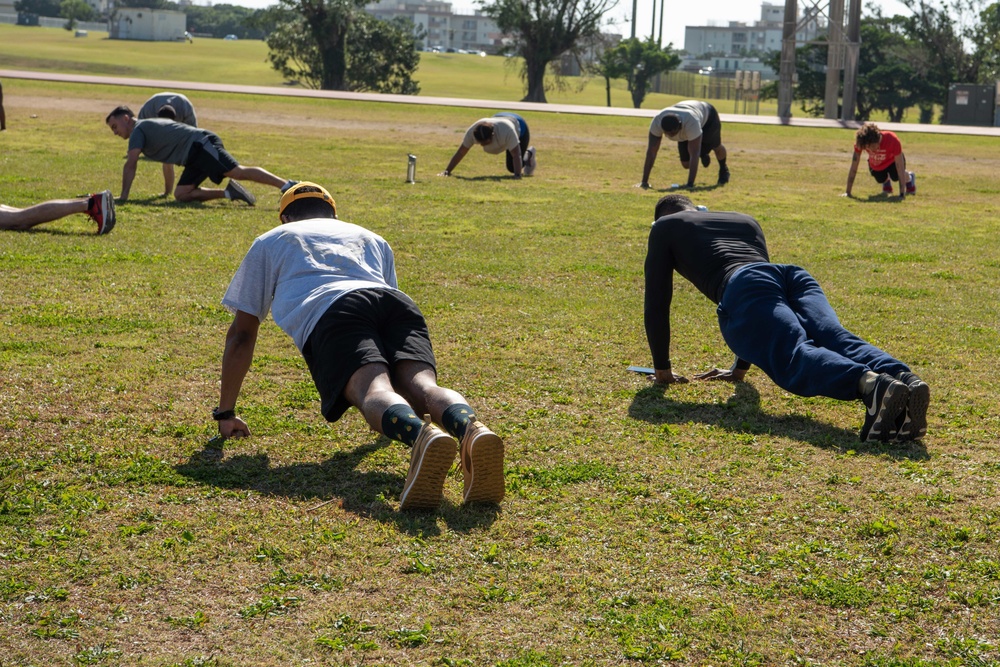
(151, 25)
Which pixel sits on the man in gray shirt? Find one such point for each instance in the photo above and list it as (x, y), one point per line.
(172, 106)
(200, 152)
(332, 287)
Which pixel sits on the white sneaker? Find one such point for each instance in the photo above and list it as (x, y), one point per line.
(531, 162)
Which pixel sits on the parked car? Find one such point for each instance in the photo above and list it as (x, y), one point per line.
(231, 38)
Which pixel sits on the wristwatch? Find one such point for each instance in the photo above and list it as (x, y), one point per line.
(221, 415)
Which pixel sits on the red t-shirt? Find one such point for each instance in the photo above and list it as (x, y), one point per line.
(882, 157)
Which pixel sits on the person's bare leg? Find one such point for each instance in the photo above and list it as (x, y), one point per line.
(255, 174)
(25, 218)
(370, 391)
(417, 382)
(194, 193)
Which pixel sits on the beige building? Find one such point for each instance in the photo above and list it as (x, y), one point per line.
(442, 28)
(763, 36)
(151, 25)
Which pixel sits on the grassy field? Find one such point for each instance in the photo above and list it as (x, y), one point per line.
(703, 524)
(245, 62)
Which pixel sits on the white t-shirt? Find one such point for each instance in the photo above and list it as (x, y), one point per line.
(505, 135)
(298, 269)
(693, 115)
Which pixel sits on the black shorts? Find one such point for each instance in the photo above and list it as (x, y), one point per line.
(207, 159)
(711, 136)
(883, 174)
(366, 326)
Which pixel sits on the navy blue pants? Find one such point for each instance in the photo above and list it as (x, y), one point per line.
(777, 317)
(524, 136)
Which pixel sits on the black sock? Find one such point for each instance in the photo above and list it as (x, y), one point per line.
(401, 423)
(722, 165)
(456, 419)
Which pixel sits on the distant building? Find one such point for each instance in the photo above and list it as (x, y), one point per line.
(763, 36)
(442, 28)
(151, 25)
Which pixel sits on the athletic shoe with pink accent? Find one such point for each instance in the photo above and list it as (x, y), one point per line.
(101, 209)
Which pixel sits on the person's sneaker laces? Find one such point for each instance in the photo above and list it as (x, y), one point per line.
(911, 185)
(885, 403)
(482, 465)
(237, 192)
(723, 175)
(887, 187)
(912, 425)
(430, 461)
(706, 159)
(101, 209)
(532, 162)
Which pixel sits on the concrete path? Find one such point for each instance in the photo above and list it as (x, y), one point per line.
(163, 84)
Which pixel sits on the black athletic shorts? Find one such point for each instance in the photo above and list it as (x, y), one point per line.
(711, 136)
(883, 174)
(366, 326)
(207, 159)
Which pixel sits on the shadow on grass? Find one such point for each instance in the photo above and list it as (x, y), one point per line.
(742, 414)
(495, 179)
(335, 481)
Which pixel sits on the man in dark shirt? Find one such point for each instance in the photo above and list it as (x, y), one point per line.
(774, 316)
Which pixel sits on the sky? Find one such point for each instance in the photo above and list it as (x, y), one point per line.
(680, 13)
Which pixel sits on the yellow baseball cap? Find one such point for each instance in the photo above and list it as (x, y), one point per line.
(305, 190)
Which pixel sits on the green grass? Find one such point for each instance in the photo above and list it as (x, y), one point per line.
(245, 62)
(703, 524)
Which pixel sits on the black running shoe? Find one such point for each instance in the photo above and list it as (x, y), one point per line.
(239, 193)
(723, 175)
(913, 423)
(883, 405)
(706, 159)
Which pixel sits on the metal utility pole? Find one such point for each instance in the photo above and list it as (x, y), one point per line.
(786, 73)
(851, 55)
(635, 6)
(652, 28)
(834, 58)
(659, 40)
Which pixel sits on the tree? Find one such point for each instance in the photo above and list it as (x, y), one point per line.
(608, 66)
(543, 30)
(221, 20)
(643, 60)
(76, 10)
(39, 7)
(986, 39)
(377, 55)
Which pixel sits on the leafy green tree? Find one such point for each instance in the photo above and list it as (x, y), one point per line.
(76, 10)
(608, 66)
(221, 20)
(39, 7)
(986, 38)
(543, 31)
(378, 55)
(643, 60)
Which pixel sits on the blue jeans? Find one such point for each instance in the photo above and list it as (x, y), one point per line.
(777, 317)
(524, 136)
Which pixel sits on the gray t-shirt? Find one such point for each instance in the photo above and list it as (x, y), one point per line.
(505, 135)
(693, 115)
(180, 103)
(298, 269)
(164, 140)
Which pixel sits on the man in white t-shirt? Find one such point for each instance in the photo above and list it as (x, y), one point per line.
(696, 128)
(505, 131)
(331, 286)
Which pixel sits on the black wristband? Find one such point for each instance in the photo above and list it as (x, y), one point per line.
(219, 416)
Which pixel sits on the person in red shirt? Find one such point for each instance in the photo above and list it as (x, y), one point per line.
(886, 160)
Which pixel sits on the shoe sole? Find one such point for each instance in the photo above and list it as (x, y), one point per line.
(484, 479)
(109, 213)
(425, 490)
(893, 403)
(244, 195)
(919, 401)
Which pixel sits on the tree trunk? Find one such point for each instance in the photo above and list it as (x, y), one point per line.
(334, 57)
(607, 88)
(535, 72)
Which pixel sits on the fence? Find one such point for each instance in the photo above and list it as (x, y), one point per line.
(53, 22)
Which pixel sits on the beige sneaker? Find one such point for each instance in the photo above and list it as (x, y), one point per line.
(482, 465)
(430, 461)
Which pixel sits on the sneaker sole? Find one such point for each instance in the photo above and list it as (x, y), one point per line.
(244, 194)
(893, 403)
(486, 481)
(920, 400)
(426, 488)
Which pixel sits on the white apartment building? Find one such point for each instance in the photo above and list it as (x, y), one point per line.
(764, 35)
(443, 28)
